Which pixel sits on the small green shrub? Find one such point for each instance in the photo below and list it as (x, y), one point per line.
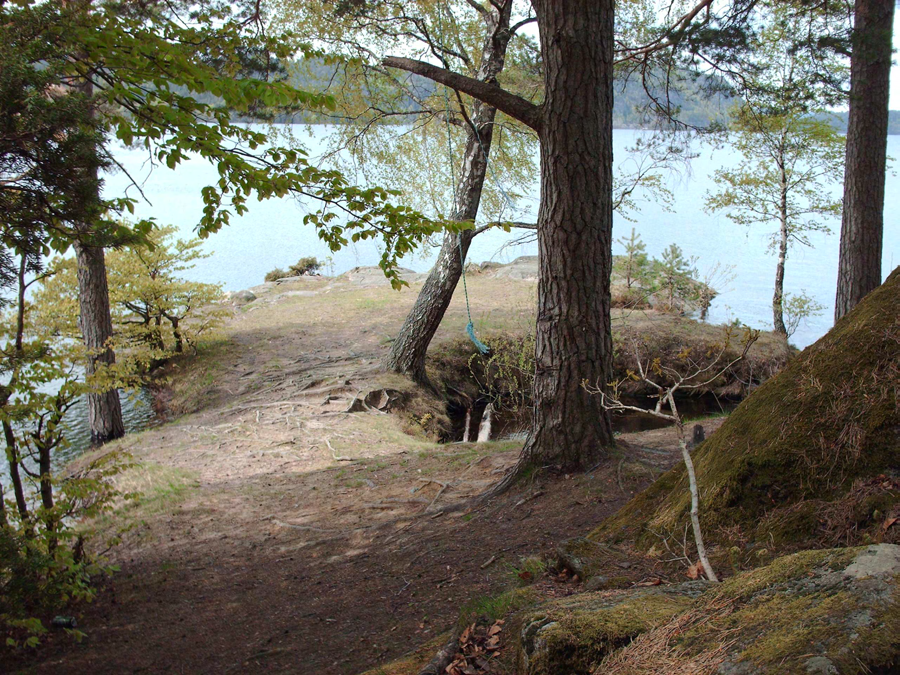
(277, 274)
(307, 265)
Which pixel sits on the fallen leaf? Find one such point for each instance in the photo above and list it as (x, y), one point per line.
(695, 570)
(525, 575)
(888, 522)
(650, 582)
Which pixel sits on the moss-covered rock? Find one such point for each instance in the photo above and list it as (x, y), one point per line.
(587, 558)
(821, 611)
(828, 611)
(571, 636)
(809, 459)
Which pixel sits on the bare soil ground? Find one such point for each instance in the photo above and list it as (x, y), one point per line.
(277, 533)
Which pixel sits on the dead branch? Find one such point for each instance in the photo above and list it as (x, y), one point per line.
(334, 454)
(694, 376)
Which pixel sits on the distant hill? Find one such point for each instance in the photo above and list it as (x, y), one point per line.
(839, 120)
(695, 106)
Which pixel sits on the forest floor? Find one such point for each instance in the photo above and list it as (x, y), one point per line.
(275, 532)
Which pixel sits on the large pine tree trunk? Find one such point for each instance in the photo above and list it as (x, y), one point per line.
(859, 267)
(573, 336)
(104, 408)
(408, 352)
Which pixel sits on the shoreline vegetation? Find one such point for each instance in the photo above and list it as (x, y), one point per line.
(576, 464)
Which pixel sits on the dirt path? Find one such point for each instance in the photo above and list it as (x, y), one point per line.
(277, 533)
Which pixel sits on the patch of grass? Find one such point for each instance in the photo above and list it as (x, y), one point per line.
(491, 608)
(151, 489)
(528, 571)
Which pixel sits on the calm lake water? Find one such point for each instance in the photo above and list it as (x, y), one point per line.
(272, 235)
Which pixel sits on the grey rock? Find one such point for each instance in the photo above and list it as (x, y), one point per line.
(242, 297)
(820, 665)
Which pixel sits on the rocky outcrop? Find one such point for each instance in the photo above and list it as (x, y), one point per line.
(823, 612)
(242, 297)
(369, 276)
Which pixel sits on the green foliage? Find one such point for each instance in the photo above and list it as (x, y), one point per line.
(675, 275)
(408, 133)
(506, 373)
(277, 274)
(634, 266)
(155, 312)
(42, 561)
(49, 144)
(673, 279)
(790, 152)
(797, 309)
(788, 160)
(308, 265)
(150, 82)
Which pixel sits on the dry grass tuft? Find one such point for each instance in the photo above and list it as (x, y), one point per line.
(655, 652)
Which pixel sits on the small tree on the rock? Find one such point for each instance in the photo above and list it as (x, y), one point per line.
(634, 265)
(675, 276)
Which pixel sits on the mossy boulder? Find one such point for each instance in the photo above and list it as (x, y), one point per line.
(571, 636)
(588, 558)
(822, 612)
(810, 459)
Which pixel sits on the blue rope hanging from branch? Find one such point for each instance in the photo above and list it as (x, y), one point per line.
(470, 327)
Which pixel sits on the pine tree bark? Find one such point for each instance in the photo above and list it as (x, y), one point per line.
(573, 333)
(95, 320)
(407, 355)
(862, 224)
(104, 408)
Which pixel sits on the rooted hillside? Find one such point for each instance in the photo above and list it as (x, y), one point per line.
(810, 459)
